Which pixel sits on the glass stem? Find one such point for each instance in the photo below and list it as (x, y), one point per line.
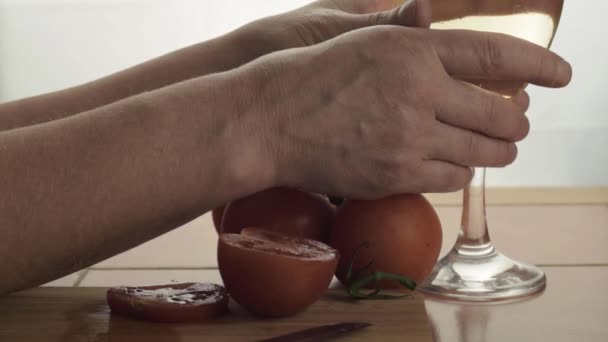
(474, 239)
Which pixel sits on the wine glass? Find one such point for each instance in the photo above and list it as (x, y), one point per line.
(474, 269)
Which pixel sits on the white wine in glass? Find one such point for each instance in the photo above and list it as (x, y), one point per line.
(474, 269)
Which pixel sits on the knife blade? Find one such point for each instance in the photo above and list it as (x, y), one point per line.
(321, 333)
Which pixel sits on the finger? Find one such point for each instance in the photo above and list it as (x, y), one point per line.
(440, 176)
(361, 6)
(414, 13)
(472, 108)
(466, 148)
(493, 56)
(522, 99)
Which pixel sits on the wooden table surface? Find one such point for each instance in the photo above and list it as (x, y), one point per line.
(574, 307)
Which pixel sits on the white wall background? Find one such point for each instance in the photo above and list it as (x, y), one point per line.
(51, 44)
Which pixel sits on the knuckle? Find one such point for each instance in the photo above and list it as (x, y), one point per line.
(472, 145)
(491, 55)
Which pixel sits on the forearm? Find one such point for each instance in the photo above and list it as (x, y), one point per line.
(78, 190)
(224, 53)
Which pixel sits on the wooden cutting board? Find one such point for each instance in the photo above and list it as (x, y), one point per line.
(574, 307)
(81, 314)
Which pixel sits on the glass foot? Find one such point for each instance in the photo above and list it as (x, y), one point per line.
(486, 277)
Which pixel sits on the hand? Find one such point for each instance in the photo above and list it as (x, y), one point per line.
(380, 111)
(325, 19)
(308, 25)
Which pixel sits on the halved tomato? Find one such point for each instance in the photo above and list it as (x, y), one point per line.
(271, 274)
(216, 216)
(288, 211)
(187, 302)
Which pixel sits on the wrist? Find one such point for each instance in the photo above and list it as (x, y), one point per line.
(271, 93)
(251, 159)
(207, 141)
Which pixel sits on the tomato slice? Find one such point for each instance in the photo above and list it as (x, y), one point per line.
(272, 274)
(186, 302)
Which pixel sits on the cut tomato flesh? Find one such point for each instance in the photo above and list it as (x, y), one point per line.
(170, 303)
(275, 243)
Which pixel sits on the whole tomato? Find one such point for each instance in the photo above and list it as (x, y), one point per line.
(403, 234)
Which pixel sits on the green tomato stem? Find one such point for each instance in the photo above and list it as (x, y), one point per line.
(355, 283)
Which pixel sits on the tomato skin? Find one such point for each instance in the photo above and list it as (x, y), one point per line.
(216, 216)
(404, 235)
(272, 284)
(283, 210)
(129, 301)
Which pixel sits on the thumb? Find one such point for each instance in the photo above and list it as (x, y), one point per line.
(414, 13)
